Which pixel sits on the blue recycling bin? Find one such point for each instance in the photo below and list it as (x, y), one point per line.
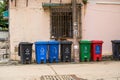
(53, 54)
(41, 49)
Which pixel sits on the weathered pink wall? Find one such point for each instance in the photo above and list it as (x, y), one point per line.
(102, 22)
(29, 23)
(32, 23)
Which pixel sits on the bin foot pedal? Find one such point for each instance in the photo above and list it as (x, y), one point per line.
(97, 59)
(85, 60)
(26, 62)
(53, 60)
(66, 60)
(41, 61)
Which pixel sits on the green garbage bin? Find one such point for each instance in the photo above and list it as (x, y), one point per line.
(85, 49)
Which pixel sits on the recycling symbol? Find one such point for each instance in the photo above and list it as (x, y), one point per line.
(55, 50)
(67, 50)
(42, 51)
(27, 51)
(85, 49)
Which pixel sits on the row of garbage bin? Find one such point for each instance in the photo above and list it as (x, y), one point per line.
(44, 49)
(89, 50)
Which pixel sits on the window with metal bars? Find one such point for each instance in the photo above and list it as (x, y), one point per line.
(61, 22)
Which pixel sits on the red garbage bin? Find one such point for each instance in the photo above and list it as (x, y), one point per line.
(96, 53)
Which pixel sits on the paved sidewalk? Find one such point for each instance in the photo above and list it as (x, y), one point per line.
(105, 70)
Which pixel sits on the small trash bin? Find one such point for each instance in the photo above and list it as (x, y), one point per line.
(53, 51)
(96, 50)
(85, 48)
(116, 49)
(41, 49)
(25, 52)
(65, 51)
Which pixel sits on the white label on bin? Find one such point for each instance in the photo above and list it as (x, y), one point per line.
(27, 58)
(66, 56)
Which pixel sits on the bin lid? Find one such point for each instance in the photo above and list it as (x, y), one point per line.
(66, 42)
(41, 42)
(115, 41)
(53, 42)
(24, 43)
(97, 41)
(85, 41)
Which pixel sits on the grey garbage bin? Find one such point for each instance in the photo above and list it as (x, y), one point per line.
(25, 52)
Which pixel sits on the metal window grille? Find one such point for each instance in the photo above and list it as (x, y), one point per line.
(61, 22)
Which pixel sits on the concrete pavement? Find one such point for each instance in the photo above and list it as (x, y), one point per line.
(104, 70)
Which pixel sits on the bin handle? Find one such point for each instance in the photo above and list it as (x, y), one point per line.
(48, 49)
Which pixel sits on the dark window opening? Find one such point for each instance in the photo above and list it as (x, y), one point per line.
(61, 22)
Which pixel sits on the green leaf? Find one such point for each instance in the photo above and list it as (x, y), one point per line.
(3, 5)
